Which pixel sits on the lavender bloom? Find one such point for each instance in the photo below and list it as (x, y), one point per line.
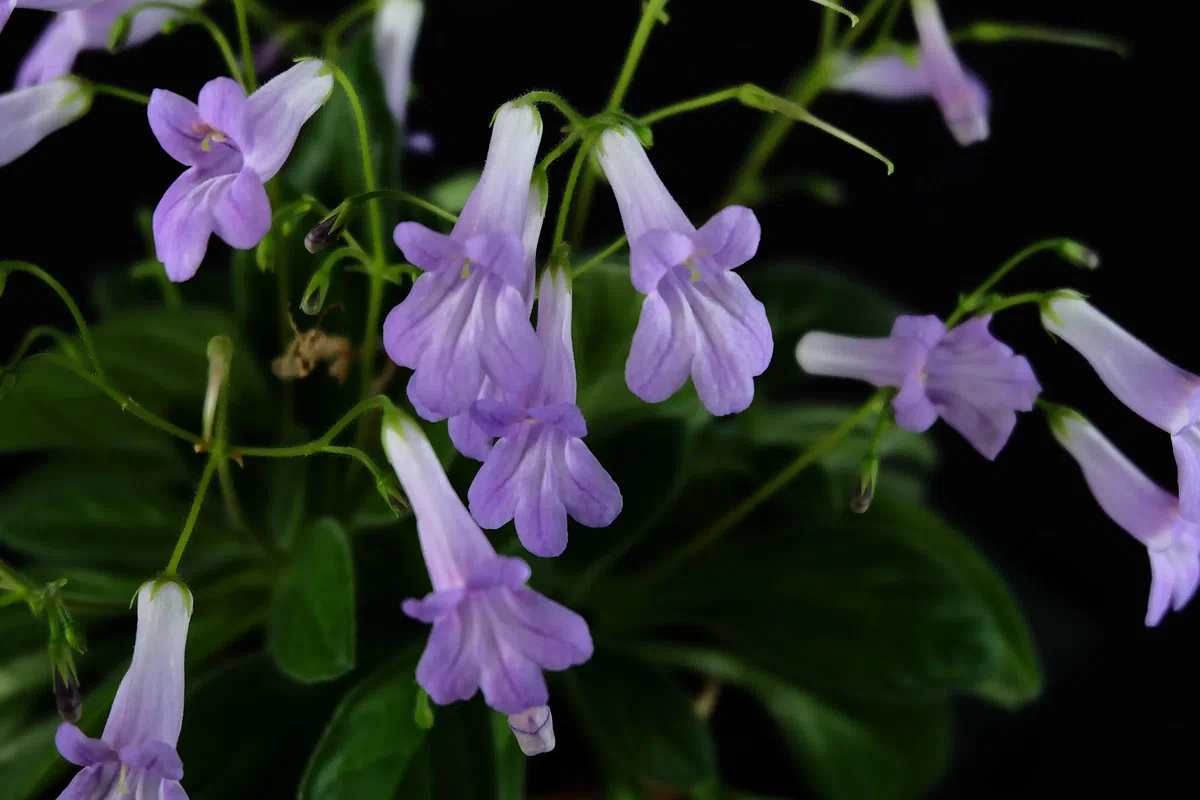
(397, 23)
(534, 729)
(965, 375)
(937, 73)
(421, 143)
(541, 470)
(232, 144)
(698, 318)
(135, 756)
(29, 115)
(8, 6)
(1148, 513)
(467, 318)
(1154, 388)
(71, 32)
(489, 630)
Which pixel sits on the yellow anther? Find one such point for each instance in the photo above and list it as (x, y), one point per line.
(466, 270)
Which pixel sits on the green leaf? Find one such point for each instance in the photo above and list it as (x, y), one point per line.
(509, 760)
(456, 759)
(641, 722)
(287, 496)
(850, 750)
(311, 630)
(366, 747)
(451, 193)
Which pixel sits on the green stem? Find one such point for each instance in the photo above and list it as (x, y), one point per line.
(883, 35)
(566, 144)
(564, 208)
(550, 98)
(828, 30)
(126, 402)
(316, 445)
(587, 190)
(65, 341)
(361, 457)
(1003, 303)
(117, 91)
(807, 458)
(205, 479)
(684, 106)
(239, 9)
(599, 257)
(346, 209)
(341, 22)
(971, 301)
(199, 17)
(46, 278)
(650, 15)
(992, 32)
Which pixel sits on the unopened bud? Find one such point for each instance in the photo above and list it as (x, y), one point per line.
(864, 488)
(66, 695)
(1080, 255)
(118, 34)
(392, 495)
(264, 254)
(314, 294)
(534, 729)
(423, 712)
(220, 353)
(317, 239)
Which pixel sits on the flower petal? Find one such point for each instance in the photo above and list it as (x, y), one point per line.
(557, 384)
(591, 496)
(93, 782)
(182, 222)
(428, 249)
(173, 121)
(468, 438)
(493, 494)
(889, 77)
(1162, 584)
(510, 350)
(420, 316)
(449, 668)
(730, 238)
(434, 605)
(1186, 446)
(277, 111)
(496, 418)
(955, 91)
(397, 23)
(223, 105)
(500, 253)
(733, 341)
(914, 412)
(80, 749)
(6, 9)
(27, 116)
(500, 200)
(660, 356)
(54, 53)
(171, 790)
(565, 417)
(540, 517)
(654, 254)
(241, 212)
(643, 200)
(549, 634)
(499, 572)
(157, 758)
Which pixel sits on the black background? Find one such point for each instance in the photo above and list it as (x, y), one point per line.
(1084, 144)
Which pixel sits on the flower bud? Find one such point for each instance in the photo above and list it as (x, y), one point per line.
(118, 34)
(392, 495)
(264, 254)
(534, 729)
(314, 293)
(67, 696)
(318, 238)
(423, 712)
(864, 489)
(1080, 255)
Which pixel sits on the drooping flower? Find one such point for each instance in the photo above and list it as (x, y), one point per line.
(8, 6)
(937, 73)
(1150, 385)
(135, 755)
(29, 115)
(72, 32)
(698, 318)
(965, 375)
(1147, 512)
(540, 470)
(490, 631)
(232, 145)
(397, 23)
(467, 317)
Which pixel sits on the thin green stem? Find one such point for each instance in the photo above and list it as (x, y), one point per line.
(65, 341)
(1004, 303)
(351, 204)
(361, 457)
(341, 22)
(587, 190)
(316, 445)
(566, 144)
(46, 278)
(550, 98)
(807, 458)
(971, 301)
(239, 9)
(126, 402)
(233, 508)
(188, 526)
(197, 16)
(865, 19)
(651, 14)
(828, 30)
(599, 257)
(993, 32)
(117, 91)
(884, 32)
(564, 208)
(684, 106)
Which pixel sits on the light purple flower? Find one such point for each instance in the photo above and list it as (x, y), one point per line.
(467, 318)
(29, 115)
(71, 32)
(490, 631)
(540, 470)
(965, 375)
(534, 729)
(8, 6)
(135, 756)
(1145, 511)
(937, 73)
(232, 144)
(698, 318)
(1154, 388)
(397, 23)
(421, 142)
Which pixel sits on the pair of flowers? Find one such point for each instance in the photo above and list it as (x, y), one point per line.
(977, 385)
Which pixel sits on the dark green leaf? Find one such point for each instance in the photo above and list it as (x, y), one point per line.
(850, 750)
(451, 193)
(311, 631)
(287, 495)
(456, 759)
(366, 747)
(641, 721)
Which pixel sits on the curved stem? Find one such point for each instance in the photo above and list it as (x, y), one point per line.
(682, 107)
(971, 301)
(46, 278)
(351, 204)
(361, 457)
(807, 458)
(550, 98)
(188, 526)
(564, 208)
(117, 91)
(651, 14)
(566, 144)
(239, 10)
(315, 446)
(599, 257)
(199, 17)
(65, 341)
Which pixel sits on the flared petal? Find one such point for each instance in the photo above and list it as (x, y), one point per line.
(956, 91)
(176, 124)
(397, 23)
(449, 669)
(510, 350)
(732, 340)
(53, 54)
(80, 749)
(655, 253)
(499, 572)
(149, 702)
(643, 200)
(468, 438)
(183, 220)
(1152, 387)
(551, 635)
(500, 253)
(157, 758)
(563, 417)
(223, 105)
(730, 238)
(886, 77)
(500, 200)
(6, 9)
(501, 480)
(557, 383)
(93, 783)
(497, 418)
(1162, 584)
(27, 116)
(434, 605)
(540, 516)
(535, 216)
(420, 317)
(241, 214)
(277, 111)
(1186, 446)
(428, 249)
(590, 495)
(660, 356)
(912, 407)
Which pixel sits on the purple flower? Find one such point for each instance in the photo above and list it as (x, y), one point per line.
(467, 318)
(534, 729)
(397, 23)
(698, 318)
(8, 6)
(232, 145)
(1145, 511)
(1154, 388)
(937, 73)
(541, 470)
(421, 143)
(71, 32)
(29, 115)
(135, 756)
(965, 375)
(489, 630)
